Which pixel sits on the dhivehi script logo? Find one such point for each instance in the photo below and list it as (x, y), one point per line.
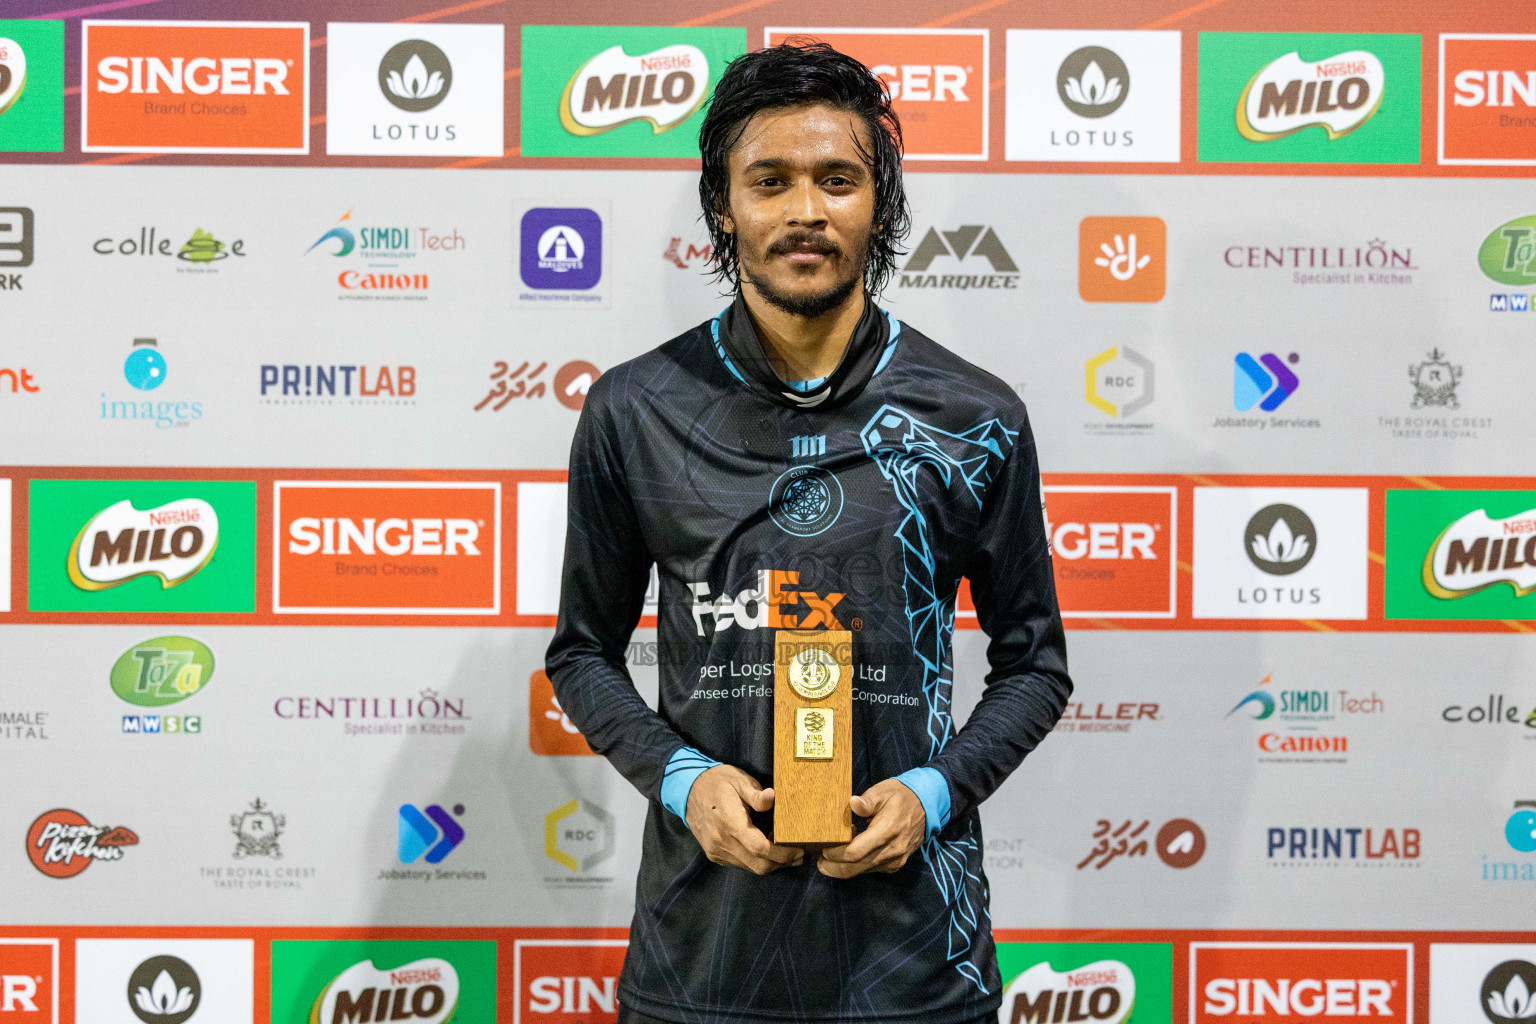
(425, 991)
(1288, 94)
(174, 542)
(664, 87)
(1476, 552)
(1103, 991)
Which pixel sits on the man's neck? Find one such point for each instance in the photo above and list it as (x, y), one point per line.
(798, 347)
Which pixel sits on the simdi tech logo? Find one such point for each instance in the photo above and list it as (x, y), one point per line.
(938, 81)
(29, 981)
(1098, 982)
(1114, 550)
(142, 546)
(567, 981)
(1488, 99)
(31, 86)
(194, 87)
(164, 981)
(1293, 97)
(386, 548)
(1460, 554)
(1293, 982)
(611, 91)
(346, 982)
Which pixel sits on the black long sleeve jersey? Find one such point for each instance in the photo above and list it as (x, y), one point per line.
(858, 504)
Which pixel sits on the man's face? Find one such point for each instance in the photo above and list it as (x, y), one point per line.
(802, 205)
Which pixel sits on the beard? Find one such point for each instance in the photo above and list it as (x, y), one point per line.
(817, 303)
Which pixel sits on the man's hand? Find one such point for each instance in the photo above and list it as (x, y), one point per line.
(896, 828)
(717, 814)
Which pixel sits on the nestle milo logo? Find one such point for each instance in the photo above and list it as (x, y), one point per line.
(119, 543)
(664, 87)
(1476, 552)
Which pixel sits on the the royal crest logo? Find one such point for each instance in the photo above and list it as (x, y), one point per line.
(257, 830)
(62, 843)
(1288, 94)
(173, 541)
(1476, 552)
(425, 991)
(665, 87)
(1434, 382)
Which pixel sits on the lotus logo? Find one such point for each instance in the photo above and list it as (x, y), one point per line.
(164, 990)
(415, 75)
(174, 542)
(1476, 552)
(1509, 992)
(665, 87)
(1280, 539)
(1338, 94)
(1093, 82)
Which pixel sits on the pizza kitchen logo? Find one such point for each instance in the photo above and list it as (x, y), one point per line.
(62, 843)
(173, 542)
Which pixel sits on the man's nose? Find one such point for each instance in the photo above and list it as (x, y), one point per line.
(806, 206)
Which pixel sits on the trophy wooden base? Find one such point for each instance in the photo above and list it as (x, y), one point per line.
(812, 737)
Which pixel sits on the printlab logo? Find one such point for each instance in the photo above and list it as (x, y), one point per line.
(560, 256)
(578, 836)
(31, 86)
(1331, 847)
(62, 843)
(158, 673)
(257, 830)
(1266, 381)
(570, 384)
(355, 384)
(16, 242)
(1179, 843)
(1119, 383)
(1122, 259)
(1508, 256)
(415, 75)
(969, 241)
(164, 990)
(1487, 99)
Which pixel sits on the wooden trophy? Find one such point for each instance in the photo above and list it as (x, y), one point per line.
(812, 737)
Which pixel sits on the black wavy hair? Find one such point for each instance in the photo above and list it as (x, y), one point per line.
(794, 74)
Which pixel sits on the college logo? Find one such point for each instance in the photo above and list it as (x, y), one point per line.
(200, 248)
(1119, 382)
(968, 240)
(194, 87)
(61, 843)
(1106, 983)
(1093, 96)
(1487, 99)
(1122, 259)
(142, 546)
(567, 981)
(551, 733)
(936, 79)
(1114, 550)
(29, 981)
(1266, 381)
(1499, 711)
(770, 604)
(1460, 554)
(15, 246)
(1499, 980)
(414, 90)
(1296, 981)
(1298, 97)
(578, 836)
(348, 982)
(610, 91)
(386, 548)
(31, 86)
(257, 831)
(1179, 843)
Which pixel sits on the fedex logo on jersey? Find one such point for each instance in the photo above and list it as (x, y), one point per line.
(776, 602)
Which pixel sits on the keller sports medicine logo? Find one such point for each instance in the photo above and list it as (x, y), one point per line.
(1309, 97)
(1102, 982)
(976, 242)
(344, 982)
(1480, 982)
(386, 548)
(614, 91)
(1487, 99)
(62, 843)
(568, 981)
(414, 90)
(1293, 981)
(1114, 550)
(29, 981)
(775, 602)
(1093, 95)
(1122, 259)
(937, 80)
(31, 86)
(194, 87)
(1460, 554)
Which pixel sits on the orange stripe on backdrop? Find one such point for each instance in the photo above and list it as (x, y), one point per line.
(1178, 16)
(448, 12)
(1424, 482)
(725, 12)
(950, 19)
(478, 160)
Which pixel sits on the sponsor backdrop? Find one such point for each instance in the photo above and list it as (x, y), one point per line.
(298, 308)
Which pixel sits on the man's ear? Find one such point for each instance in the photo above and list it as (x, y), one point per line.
(727, 223)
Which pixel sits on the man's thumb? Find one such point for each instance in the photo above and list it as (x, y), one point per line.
(863, 806)
(750, 792)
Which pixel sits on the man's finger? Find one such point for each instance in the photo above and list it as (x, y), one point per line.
(864, 845)
(750, 792)
(757, 844)
(755, 853)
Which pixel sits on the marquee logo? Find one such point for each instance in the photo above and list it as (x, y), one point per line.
(1338, 93)
(62, 843)
(662, 88)
(425, 991)
(31, 86)
(377, 548)
(1237, 981)
(195, 87)
(567, 981)
(1113, 550)
(29, 981)
(774, 603)
(172, 542)
(1487, 99)
(968, 241)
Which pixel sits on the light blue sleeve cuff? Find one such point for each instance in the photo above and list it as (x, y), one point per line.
(932, 792)
(685, 766)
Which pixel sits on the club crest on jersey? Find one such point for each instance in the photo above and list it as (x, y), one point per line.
(775, 602)
(805, 500)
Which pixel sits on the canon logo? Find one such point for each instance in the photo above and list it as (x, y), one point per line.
(1308, 997)
(329, 535)
(917, 83)
(18, 992)
(573, 994)
(204, 76)
(1103, 540)
(1482, 88)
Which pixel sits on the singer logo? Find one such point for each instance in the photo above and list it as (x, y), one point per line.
(387, 548)
(1293, 983)
(29, 971)
(1114, 550)
(567, 981)
(1487, 99)
(195, 87)
(121, 542)
(771, 603)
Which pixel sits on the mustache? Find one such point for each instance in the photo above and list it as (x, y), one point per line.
(804, 241)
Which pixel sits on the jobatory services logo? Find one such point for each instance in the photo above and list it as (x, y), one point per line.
(1119, 382)
(386, 548)
(609, 91)
(1179, 843)
(950, 248)
(1293, 97)
(1280, 552)
(344, 982)
(567, 981)
(415, 90)
(158, 673)
(31, 86)
(194, 87)
(144, 370)
(353, 384)
(1265, 382)
(384, 261)
(142, 546)
(550, 732)
(1508, 256)
(1292, 982)
(16, 246)
(937, 79)
(1122, 259)
(578, 836)
(559, 254)
(1303, 725)
(1487, 99)
(1114, 550)
(428, 834)
(1102, 982)
(164, 981)
(1477, 982)
(568, 386)
(1460, 554)
(1093, 96)
(29, 981)
(62, 843)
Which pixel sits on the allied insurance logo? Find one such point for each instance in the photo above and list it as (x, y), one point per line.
(1487, 99)
(1293, 981)
(1309, 97)
(1114, 550)
(937, 79)
(624, 92)
(1460, 554)
(375, 548)
(194, 87)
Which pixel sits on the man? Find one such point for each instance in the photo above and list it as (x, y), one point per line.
(805, 460)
